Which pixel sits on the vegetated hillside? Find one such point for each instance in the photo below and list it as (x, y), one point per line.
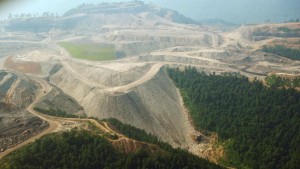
(284, 30)
(277, 81)
(82, 149)
(293, 54)
(259, 126)
(267, 31)
(137, 134)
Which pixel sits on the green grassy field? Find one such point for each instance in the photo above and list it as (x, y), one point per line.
(95, 52)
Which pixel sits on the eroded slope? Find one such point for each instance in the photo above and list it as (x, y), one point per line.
(16, 123)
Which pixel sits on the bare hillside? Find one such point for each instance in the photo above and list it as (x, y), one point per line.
(16, 123)
(133, 86)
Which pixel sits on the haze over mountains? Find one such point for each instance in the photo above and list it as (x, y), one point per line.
(233, 11)
(195, 87)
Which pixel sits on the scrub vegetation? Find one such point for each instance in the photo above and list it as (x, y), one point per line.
(94, 52)
(293, 54)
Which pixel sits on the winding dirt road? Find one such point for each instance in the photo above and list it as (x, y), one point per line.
(54, 124)
(148, 76)
(46, 88)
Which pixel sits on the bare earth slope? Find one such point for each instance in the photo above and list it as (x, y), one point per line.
(153, 106)
(135, 88)
(17, 92)
(58, 100)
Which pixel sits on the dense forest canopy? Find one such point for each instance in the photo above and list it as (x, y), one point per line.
(259, 126)
(79, 149)
(277, 81)
(138, 134)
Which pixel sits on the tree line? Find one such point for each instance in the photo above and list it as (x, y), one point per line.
(277, 81)
(80, 149)
(258, 126)
(55, 112)
(293, 54)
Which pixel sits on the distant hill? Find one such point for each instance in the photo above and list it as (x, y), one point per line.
(136, 7)
(219, 23)
(242, 11)
(90, 16)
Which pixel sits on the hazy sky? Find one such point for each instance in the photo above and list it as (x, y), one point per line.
(236, 11)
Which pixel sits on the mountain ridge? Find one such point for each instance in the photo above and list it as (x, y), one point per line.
(123, 13)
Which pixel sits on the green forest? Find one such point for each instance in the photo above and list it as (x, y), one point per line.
(80, 149)
(258, 126)
(293, 54)
(138, 134)
(277, 81)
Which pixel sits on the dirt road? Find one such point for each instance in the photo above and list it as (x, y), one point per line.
(46, 88)
(54, 124)
(148, 76)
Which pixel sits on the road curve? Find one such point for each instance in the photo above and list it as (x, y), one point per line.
(125, 88)
(46, 88)
(53, 121)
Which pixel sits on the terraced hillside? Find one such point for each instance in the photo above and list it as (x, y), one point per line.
(16, 123)
(134, 87)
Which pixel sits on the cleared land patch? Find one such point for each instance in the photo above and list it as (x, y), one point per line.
(24, 66)
(94, 52)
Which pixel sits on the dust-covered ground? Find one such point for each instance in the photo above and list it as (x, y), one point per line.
(135, 88)
(16, 123)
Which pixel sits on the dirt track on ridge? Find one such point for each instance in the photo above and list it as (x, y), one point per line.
(52, 124)
(148, 76)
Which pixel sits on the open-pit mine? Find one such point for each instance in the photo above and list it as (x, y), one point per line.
(123, 76)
